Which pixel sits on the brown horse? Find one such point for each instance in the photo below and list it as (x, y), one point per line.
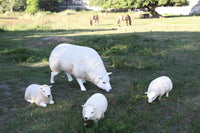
(126, 18)
(94, 18)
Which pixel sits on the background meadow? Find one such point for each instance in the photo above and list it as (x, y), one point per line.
(134, 54)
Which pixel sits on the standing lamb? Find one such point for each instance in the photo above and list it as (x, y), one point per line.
(158, 87)
(82, 62)
(95, 107)
(39, 94)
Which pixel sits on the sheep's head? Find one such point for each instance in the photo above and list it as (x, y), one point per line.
(104, 82)
(151, 96)
(89, 112)
(45, 90)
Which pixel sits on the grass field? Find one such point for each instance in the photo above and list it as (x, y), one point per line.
(134, 54)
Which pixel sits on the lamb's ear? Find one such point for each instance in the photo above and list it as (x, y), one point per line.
(41, 88)
(146, 93)
(109, 73)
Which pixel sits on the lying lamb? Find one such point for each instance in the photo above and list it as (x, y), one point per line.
(39, 94)
(82, 62)
(158, 87)
(95, 107)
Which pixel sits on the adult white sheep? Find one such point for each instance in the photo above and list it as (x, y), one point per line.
(39, 94)
(82, 62)
(158, 87)
(95, 107)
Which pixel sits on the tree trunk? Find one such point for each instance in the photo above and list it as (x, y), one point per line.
(153, 13)
(11, 5)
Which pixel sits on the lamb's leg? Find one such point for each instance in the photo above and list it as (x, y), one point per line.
(51, 102)
(53, 74)
(30, 101)
(167, 94)
(69, 77)
(80, 82)
(43, 104)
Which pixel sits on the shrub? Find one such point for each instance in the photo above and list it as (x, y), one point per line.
(117, 50)
(118, 62)
(20, 54)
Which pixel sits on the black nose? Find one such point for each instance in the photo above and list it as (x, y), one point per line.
(48, 95)
(86, 118)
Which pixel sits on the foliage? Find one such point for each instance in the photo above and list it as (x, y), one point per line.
(20, 54)
(20, 5)
(48, 5)
(132, 4)
(32, 6)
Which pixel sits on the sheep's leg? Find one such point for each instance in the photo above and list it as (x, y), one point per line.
(160, 97)
(167, 94)
(126, 22)
(69, 77)
(80, 82)
(53, 74)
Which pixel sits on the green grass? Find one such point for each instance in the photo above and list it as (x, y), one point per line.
(135, 54)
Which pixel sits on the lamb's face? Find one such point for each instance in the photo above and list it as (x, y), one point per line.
(151, 97)
(89, 112)
(45, 91)
(104, 83)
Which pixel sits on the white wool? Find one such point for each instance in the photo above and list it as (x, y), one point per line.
(98, 103)
(82, 62)
(39, 94)
(158, 87)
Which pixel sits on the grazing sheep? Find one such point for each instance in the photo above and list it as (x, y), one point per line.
(95, 107)
(82, 62)
(158, 87)
(39, 94)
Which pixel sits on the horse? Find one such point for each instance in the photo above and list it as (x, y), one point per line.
(94, 18)
(126, 18)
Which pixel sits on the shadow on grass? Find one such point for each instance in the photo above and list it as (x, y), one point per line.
(127, 105)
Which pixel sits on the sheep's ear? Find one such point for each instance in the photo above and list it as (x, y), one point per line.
(50, 86)
(109, 73)
(83, 106)
(146, 93)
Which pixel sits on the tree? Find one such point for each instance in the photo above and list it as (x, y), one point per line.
(32, 6)
(128, 4)
(48, 5)
(12, 5)
(20, 5)
(7, 5)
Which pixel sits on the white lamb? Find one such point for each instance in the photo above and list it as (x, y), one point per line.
(95, 107)
(158, 87)
(39, 94)
(82, 62)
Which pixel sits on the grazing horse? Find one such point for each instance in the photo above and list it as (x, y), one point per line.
(126, 18)
(94, 18)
